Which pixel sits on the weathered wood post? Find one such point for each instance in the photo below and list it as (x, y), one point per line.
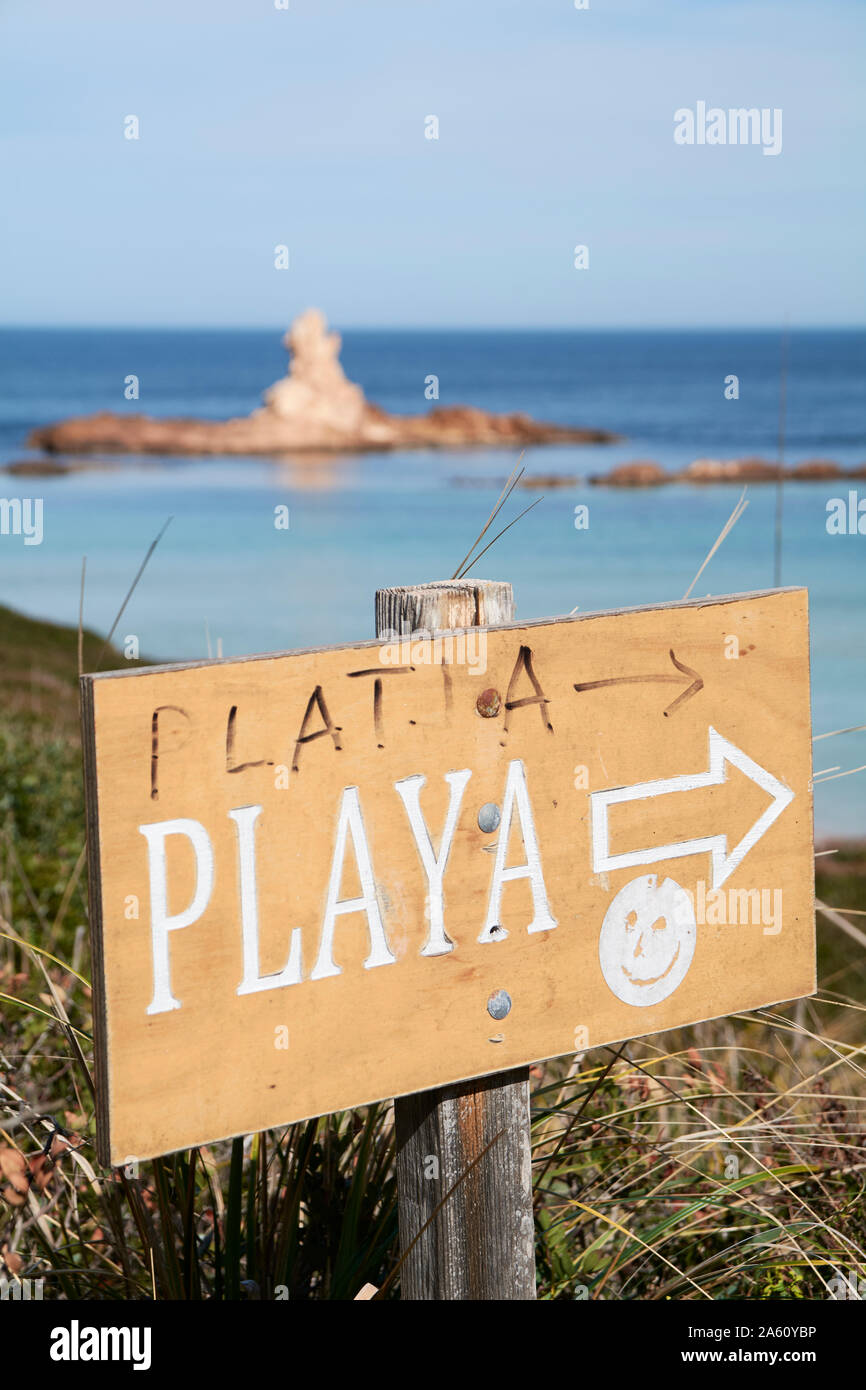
(481, 1243)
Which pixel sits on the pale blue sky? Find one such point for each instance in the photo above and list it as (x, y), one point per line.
(306, 127)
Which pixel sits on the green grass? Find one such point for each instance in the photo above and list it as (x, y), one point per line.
(726, 1161)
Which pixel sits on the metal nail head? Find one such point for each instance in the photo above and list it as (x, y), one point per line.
(489, 703)
(499, 1004)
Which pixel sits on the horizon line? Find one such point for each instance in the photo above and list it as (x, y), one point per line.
(437, 328)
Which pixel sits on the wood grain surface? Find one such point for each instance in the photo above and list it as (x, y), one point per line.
(298, 774)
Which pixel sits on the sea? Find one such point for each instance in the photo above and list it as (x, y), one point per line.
(225, 578)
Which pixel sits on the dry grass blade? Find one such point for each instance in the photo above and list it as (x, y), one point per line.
(631, 1235)
(850, 772)
(550, 1158)
(855, 729)
(71, 885)
(728, 1133)
(154, 543)
(464, 572)
(510, 484)
(39, 950)
(838, 921)
(81, 618)
(780, 476)
(63, 1018)
(728, 527)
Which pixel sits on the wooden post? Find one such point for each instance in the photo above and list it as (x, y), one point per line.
(481, 1244)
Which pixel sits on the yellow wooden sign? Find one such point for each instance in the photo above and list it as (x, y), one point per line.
(325, 878)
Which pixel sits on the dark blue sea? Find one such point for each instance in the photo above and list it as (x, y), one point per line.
(222, 573)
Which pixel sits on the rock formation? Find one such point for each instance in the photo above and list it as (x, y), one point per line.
(640, 474)
(314, 408)
(748, 470)
(818, 469)
(745, 470)
(316, 400)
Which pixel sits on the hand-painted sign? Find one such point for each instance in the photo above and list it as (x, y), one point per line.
(325, 878)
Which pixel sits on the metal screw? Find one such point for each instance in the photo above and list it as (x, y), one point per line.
(489, 817)
(489, 703)
(499, 1004)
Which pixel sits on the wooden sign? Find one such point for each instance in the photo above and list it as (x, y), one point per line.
(325, 878)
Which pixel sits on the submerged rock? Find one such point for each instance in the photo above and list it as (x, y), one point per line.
(38, 468)
(534, 481)
(816, 468)
(745, 470)
(640, 474)
(750, 470)
(314, 408)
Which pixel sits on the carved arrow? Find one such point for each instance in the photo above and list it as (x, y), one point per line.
(696, 683)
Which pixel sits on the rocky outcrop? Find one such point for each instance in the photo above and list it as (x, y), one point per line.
(37, 468)
(748, 470)
(639, 474)
(817, 469)
(745, 470)
(314, 408)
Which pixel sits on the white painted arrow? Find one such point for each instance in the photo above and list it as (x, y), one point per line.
(721, 753)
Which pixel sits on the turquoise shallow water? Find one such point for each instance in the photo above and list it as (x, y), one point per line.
(364, 522)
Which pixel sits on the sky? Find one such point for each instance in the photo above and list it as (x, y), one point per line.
(305, 127)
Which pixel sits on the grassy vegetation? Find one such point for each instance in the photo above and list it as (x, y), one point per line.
(726, 1161)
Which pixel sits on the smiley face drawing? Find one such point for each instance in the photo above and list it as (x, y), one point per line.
(647, 940)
